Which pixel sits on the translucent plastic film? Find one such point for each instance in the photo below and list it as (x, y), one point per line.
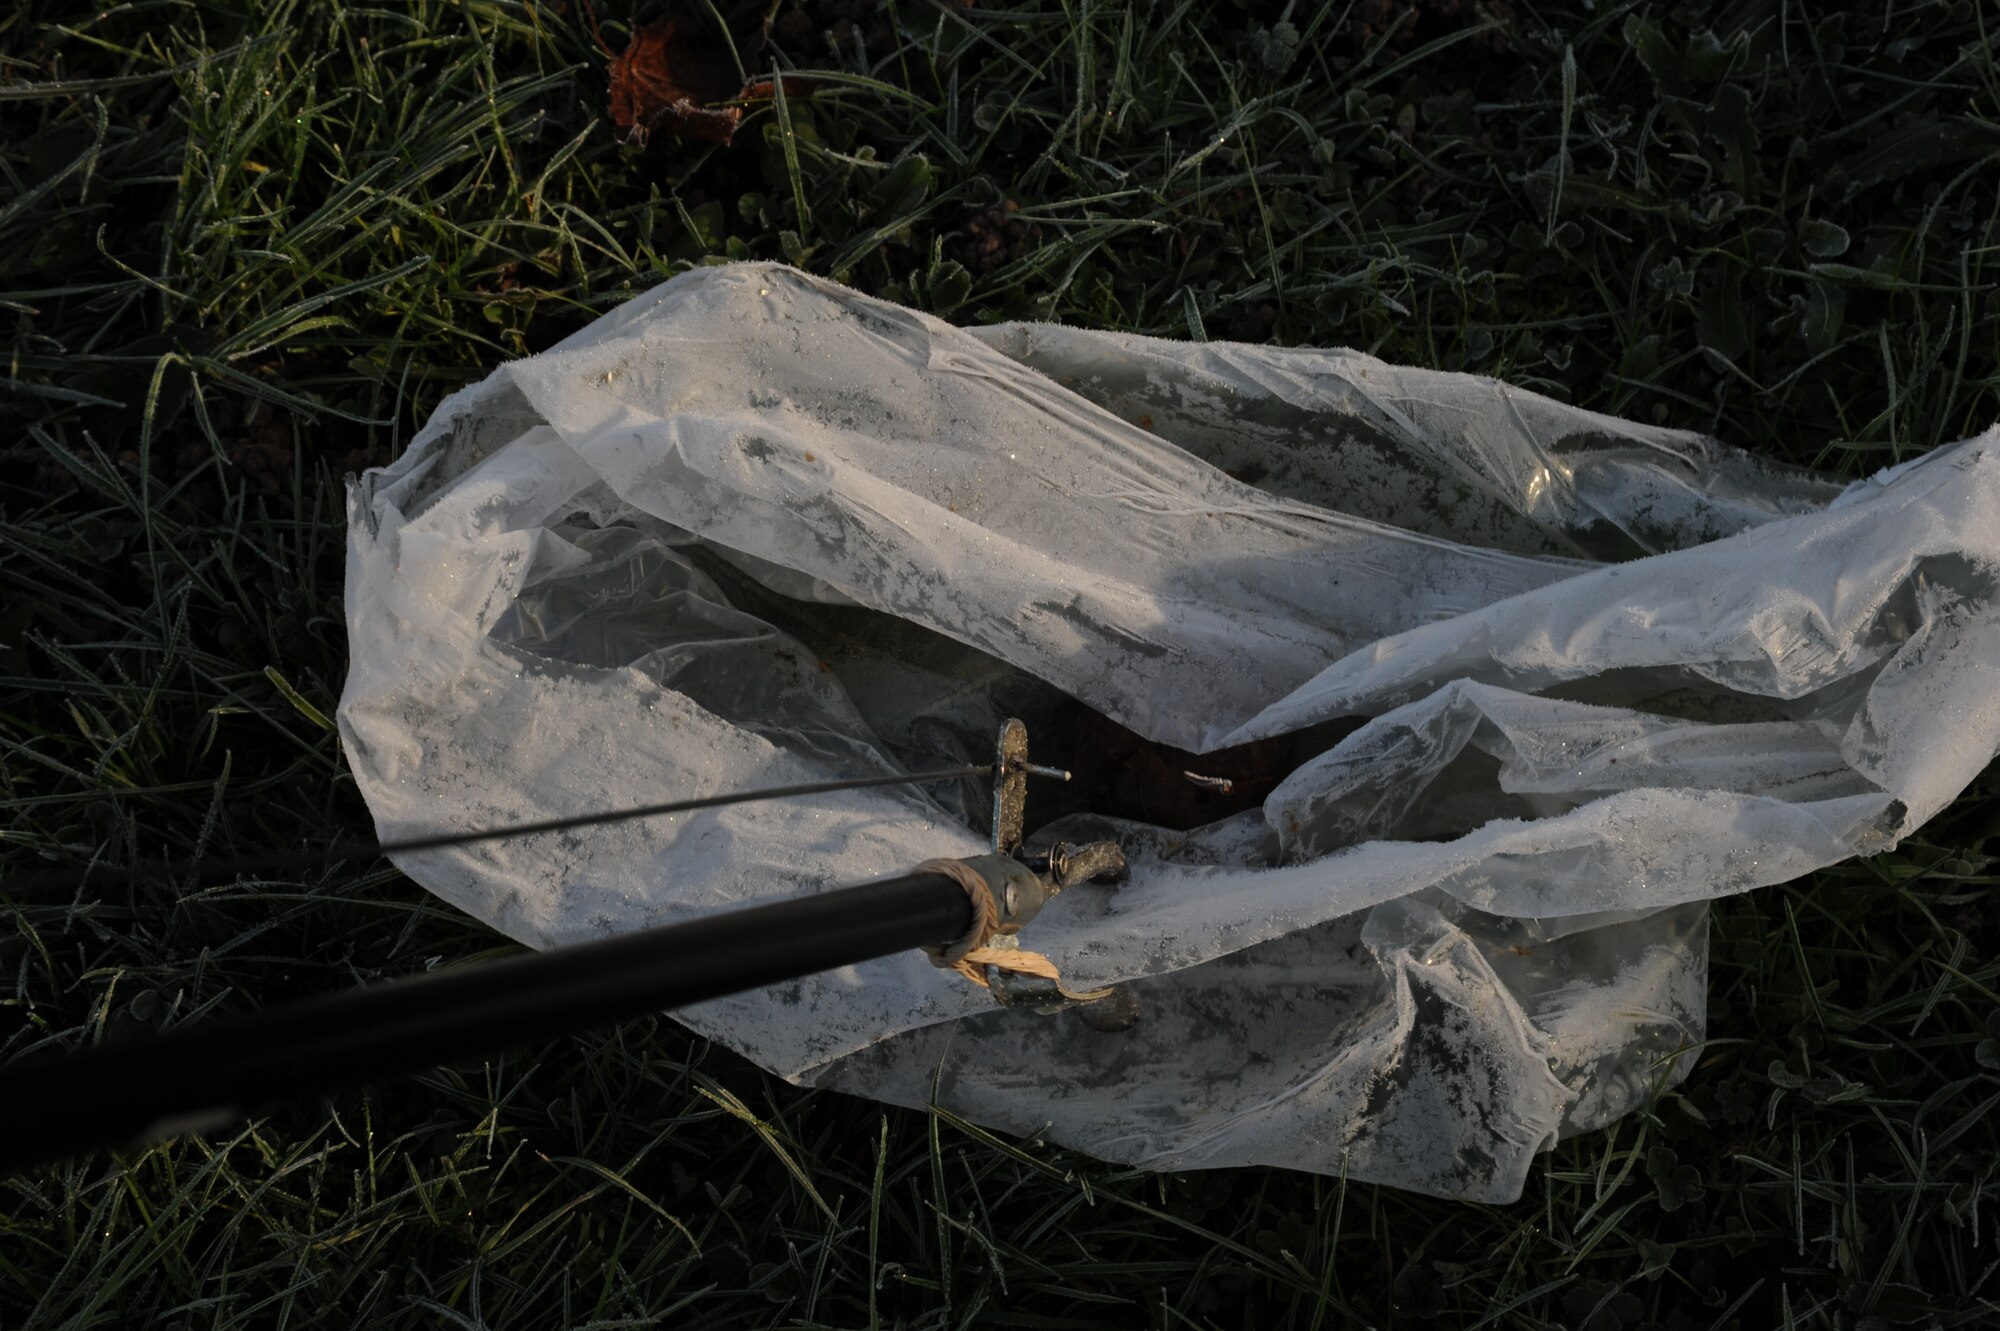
(1507, 691)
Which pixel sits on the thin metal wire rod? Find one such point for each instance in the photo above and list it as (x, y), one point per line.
(287, 861)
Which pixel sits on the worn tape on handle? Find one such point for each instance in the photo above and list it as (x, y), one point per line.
(985, 912)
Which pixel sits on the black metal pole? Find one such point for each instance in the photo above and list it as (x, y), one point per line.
(211, 1074)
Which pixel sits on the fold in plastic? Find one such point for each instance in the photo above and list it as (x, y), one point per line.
(754, 528)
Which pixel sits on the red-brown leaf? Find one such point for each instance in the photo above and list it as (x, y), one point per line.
(668, 80)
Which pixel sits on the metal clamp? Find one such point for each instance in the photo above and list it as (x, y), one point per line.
(1022, 889)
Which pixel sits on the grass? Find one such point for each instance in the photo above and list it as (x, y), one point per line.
(247, 247)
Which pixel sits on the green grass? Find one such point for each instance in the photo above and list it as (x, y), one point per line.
(247, 247)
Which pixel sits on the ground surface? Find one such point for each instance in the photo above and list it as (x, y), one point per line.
(243, 254)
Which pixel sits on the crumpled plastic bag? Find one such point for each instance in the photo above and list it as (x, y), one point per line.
(1545, 682)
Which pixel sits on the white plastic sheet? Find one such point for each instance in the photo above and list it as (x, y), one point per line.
(753, 528)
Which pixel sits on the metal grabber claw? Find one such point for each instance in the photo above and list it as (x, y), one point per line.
(1022, 886)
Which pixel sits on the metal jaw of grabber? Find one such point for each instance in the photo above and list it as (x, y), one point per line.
(1022, 885)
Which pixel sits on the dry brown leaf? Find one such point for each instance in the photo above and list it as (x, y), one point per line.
(676, 77)
(668, 80)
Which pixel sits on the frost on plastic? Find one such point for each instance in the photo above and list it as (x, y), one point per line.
(1546, 682)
